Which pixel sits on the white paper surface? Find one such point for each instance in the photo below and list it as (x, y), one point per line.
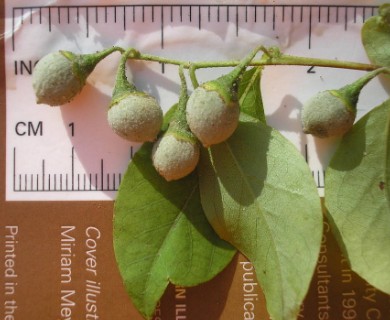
(69, 152)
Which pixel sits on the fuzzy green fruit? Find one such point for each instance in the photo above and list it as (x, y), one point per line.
(213, 108)
(175, 158)
(133, 115)
(54, 80)
(210, 116)
(176, 154)
(333, 112)
(327, 114)
(136, 117)
(58, 77)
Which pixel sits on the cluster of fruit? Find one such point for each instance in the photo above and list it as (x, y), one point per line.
(209, 115)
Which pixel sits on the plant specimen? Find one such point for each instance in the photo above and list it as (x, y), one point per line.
(212, 177)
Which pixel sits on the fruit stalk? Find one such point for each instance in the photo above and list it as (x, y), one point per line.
(176, 154)
(351, 92)
(281, 60)
(122, 85)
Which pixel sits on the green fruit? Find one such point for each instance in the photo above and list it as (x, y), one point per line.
(136, 117)
(173, 157)
(133, 115)
(327, 114)
(54, 81)
(58, 77)
(210, 117)
(213, 109)
(176, 153)
(333, 112)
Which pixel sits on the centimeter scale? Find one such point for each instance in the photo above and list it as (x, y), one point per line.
(69, 152)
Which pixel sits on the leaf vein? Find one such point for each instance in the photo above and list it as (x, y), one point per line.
(166, 238)
(248, 186)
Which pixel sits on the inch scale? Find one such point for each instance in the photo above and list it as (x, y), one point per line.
(167, 14)
(69, 153)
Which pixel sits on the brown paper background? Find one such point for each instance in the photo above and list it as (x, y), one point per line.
(38, 253)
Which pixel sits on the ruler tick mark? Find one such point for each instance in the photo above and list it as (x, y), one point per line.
(292, 14)
(237, 23)
(124, 18)
(319, 14)
(162, 27)
(87, 21)
(310, 22)
(72, 165)
(43, 174)
(199, 18)
(14, 167)
(273, 18)
(101, 174)
(49, 16)
(227, 14)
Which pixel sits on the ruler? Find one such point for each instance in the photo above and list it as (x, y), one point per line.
(69, 152)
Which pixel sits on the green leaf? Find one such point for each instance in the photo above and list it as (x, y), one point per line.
(376, 37)
(249, 94)
(258, 194)
(168, 117)
(161, 234)
(357, 196)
